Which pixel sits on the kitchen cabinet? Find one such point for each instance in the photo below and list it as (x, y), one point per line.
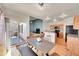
(73, 45)
(76, 22)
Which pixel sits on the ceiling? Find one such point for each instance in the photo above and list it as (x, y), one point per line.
(52, 10)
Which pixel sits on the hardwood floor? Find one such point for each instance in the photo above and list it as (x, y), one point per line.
(60, 41)
(2, 50)
(60, 48)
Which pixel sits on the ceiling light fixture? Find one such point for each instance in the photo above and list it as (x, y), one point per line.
(54, 19)
(41, 6)
(63, 15)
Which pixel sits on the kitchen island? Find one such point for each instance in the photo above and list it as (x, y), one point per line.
(50, 36)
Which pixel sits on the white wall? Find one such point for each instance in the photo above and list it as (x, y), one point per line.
(37, 23)
(46, 23)
(68, 21)
(27, 30)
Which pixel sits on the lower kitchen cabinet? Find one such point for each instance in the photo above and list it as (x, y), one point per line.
(73, 45)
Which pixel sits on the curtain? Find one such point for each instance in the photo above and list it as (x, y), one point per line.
(2, 28)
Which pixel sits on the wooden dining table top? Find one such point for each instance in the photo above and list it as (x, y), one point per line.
(44, 46)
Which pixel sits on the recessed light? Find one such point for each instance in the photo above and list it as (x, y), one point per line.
(54, 19)
(47, 18)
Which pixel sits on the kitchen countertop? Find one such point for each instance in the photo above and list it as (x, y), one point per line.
(50, 31)
(73, 35)
(43, 46)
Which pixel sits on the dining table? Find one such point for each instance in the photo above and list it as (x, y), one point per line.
(41, 48)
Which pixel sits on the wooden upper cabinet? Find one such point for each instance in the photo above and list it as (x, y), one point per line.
(76, 22)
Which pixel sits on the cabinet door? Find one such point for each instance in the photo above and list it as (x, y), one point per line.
(75, 44)
(69, 44)
(76, 22)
